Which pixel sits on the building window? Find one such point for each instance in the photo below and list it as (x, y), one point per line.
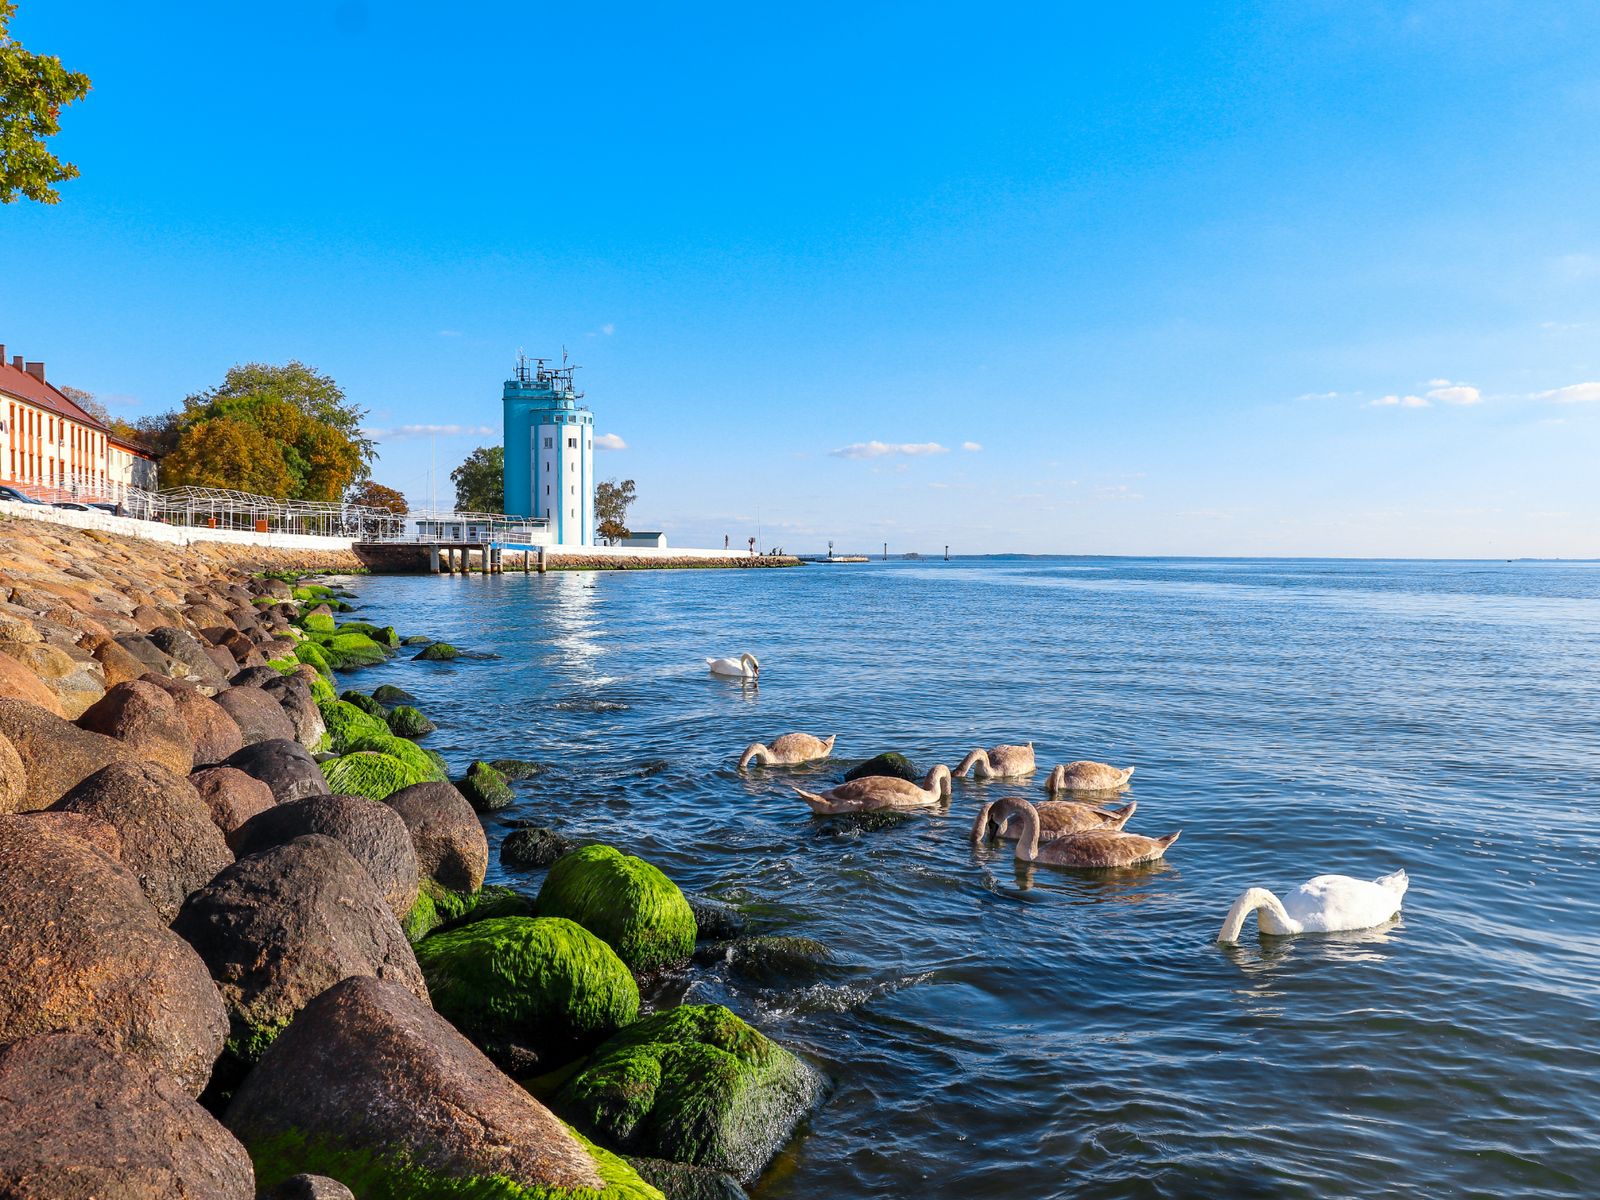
(572, 443)
(548, 443)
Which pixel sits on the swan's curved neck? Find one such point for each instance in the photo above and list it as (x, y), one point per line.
(976, 758)
(938, 782)
(1273, 918)
(756, 753)
(1028, 841)
(1057, 780)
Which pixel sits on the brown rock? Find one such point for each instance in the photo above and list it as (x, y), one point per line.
(81, 950)
(310, 1187)
(169, 840)
(373, 834)
(17, 682)
(232, 796)
(147, 719)
(216, 735)
(293, 695)
(100, 834)
(119, 665)
(446, 834)
(185, 648)
(284, 766)
(279, 928)
(259, 716)
(154, 658)
(13, 778)
(79, 1123)
(367, 1069)
(56, 755)
(76, 685)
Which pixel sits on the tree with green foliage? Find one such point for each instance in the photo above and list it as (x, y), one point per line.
(611, 501)
(375, 495)
(287, 429)
(481, 481)
(33, 90)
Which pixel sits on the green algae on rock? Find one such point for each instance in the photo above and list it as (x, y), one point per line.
(366, 703)
(408, 722)
(694, 1084)
(384, 635)
(625, 901)
(439, 908)
(387, 694)
(371, 774)
(413, 755)
(541, 984)
(346, 721)
(317, 622)
(345, 650)
(311, 654)
(438, 652)
(485, 788)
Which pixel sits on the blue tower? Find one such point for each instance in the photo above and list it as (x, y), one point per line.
(549, 451)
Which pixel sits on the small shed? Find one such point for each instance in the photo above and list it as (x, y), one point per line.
(646, 540)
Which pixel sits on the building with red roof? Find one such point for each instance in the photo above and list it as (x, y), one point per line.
(52, 449)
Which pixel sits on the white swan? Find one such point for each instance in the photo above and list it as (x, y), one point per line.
(1326, 904)
(743, 667)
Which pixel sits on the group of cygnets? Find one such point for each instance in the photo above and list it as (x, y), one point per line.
(1083, 831)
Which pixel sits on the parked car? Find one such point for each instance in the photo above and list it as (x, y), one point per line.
(103, 506)
(21, 497)
(72, 504)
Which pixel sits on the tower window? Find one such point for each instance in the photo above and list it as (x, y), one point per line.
(572, 443)
(549, 443)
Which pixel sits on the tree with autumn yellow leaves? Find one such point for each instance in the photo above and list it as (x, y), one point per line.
(281, 431)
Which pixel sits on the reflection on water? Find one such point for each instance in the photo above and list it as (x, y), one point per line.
(1002, 1029)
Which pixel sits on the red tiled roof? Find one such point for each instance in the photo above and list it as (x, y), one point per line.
(17, 383)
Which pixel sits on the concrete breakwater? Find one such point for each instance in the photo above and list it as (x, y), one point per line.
(244, 936)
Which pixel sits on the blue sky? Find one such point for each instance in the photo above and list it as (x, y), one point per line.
(1192, 278)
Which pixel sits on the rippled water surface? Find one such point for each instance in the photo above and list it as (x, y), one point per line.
(994, 1030)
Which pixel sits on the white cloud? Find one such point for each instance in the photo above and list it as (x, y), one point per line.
(404, 432)
(973, 446)
(1400, 402)
(881, 449)
(1319, 396)
(1575, 393)
(609, 441)
(1453, 393)
(608, 329)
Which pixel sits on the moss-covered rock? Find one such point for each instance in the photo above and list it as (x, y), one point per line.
(284, 666)
(694, 1084)
(530, 991)
(680, 1181)
(517, 768)
(414, 756)
(388, 695)
(370, 774)
(317, 622)
(895, 766)
(371, 1175)
(408, 722)
(366, 703)
(311, 654)
(384, 635)
(346, 722)
(485, 787)
(346, 650)
(417, 639)
(624, 901)
(439, 652)
(322, 692)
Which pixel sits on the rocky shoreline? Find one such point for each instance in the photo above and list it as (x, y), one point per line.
(246, 949)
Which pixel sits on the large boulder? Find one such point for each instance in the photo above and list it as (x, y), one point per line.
(624, 901)
(347, 722)
(694, 1084)
(280, 927)
(372, 774)
(17, 682)
(13, 777)
(372, 833)
(486, 788)
(446, 834)
(119, 666)
(889, 764)
(259, 715)
(310, 1187)
(216, 735)
(82, 950)
(77, 1122)
(147, 719)
(232, 796)
(293, 695)
(284, 766)
(56, 755)
(76, 682)
(370, 1083)
(532, 992)
(183, 647)
(169, 840)
(408, 722)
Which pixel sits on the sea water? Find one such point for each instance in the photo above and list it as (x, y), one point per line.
(993, 1029)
